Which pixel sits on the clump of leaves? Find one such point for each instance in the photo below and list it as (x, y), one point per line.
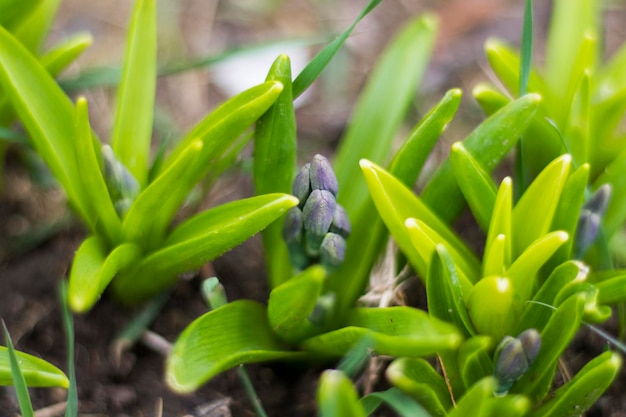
(127, 202)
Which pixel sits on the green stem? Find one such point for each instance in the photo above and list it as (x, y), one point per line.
(247, 385)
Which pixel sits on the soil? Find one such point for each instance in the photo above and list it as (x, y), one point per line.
(131, 384)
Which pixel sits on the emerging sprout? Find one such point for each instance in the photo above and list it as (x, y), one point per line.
(316, 230)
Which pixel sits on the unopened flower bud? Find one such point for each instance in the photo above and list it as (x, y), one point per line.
(590, 219)
(599, 200)
(513, 358)
(318, 213)
(332, 251)
(121, 184)
(323, 309)
(302, 185)
(341, 222)
(292, 228)
(322, 175)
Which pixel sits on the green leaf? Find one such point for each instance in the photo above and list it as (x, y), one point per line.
(275, 164)
(411, 157)
(537, 312)
(234, 334)
(474, 360)
(613, 290)
(397, 400)
(395, 331)
(71, 409)
(94, 185)
(47, 114)
(33, 30)
(18, 379)
(488, 144)
(527, 48)
(132, 130)
(337, 396)
(66, 52)
(150, 214)
(417, 378)
(36, 371)
(579, 394)
(292, 302)
(382, 106)
(225, 124)
(555, 337)
(615, 213)
(93, 269)
(534, 212)
(523, 270)
(14, 11)
(198, 240)
(396, 203)
(475, 183)
(500, 230)
(475, 400)
(314, 68)
(444, 292)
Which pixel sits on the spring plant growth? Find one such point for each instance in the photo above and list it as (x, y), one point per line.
(539, 180)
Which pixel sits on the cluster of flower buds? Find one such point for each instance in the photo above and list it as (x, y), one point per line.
(590, 219)
(514, 355)
(122, 185)
(317, 229)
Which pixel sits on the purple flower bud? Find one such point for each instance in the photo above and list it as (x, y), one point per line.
(302, 185)
(341, 222)
(292, 228)
(318, 212)
(332, 251)
(586, 231)
(120, 182)
(599, 200)
(531, 342)
(322, 175)
(513, 358)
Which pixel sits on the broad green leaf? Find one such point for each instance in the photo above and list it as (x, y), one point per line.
(475, 183)
(568, 27)
(534, 212)
(508, 405)
(604, 120)
(474, 360)
(568, 212)
(292, 302)
(66, 52)
(275, 164)
(411, 157)
(198, 240)
(310, 73)
(398, 401)
(501, 225)
(337, 396)
(579, 394)
(395, 331)
(609, 76)
(13, 11)
(47, 114)
(17, 377)
(555, 337)
(537, 312)
(149, 215)
(505, 62)
(33, 30)
(95, 188)
(382, 106)
(444, 292)
(524, 269)
(226, 123)
(396, 203)
(36, 371)
(425, 240)
(132, 130)
(93, 269)
(488, 144)
(417, 378)
(234, 334)
(475, 400)
(613, 290)
(616, 211)
(496, 259)
(494, 306)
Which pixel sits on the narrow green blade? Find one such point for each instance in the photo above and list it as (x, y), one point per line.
(19, 382)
